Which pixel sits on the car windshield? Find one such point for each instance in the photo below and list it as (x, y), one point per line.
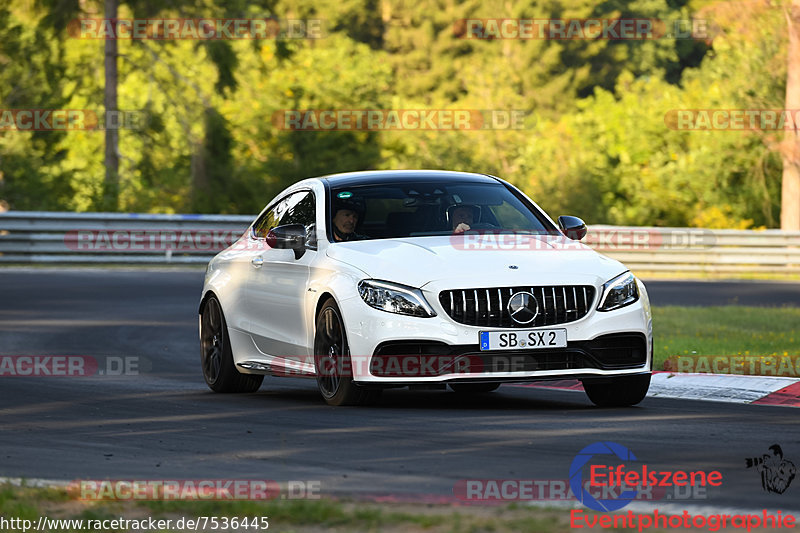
(409, 209)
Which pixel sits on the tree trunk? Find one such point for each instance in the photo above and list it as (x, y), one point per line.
(111, 183)
(200, 185)
(790, 189)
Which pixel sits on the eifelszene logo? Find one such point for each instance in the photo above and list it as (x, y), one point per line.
(619, 483)
(776, 472)
(576, 478)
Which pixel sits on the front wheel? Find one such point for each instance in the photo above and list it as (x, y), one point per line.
(618, 392)
(333, 363)
(216, 357)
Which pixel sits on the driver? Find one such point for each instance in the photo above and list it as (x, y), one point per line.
(462, 217)
(345, 218)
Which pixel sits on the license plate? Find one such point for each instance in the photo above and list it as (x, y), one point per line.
(523, 339)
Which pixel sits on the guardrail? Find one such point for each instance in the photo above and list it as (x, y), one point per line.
(126, 238)
(55, 237)
(699, 250)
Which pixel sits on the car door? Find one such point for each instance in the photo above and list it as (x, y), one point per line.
(277, 281)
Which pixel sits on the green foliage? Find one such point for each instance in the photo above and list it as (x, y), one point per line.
(32, 71)
(618, 159)
(595, 141)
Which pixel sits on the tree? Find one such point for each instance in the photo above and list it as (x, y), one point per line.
(790, 190)
(111, 184)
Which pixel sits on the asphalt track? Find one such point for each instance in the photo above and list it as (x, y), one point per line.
(163, 423)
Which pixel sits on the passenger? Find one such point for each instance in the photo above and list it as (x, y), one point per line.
(345, 219)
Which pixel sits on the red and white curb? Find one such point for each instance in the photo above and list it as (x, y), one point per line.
(759, 390)
(763, 390)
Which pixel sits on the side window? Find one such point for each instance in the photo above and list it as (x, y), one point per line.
(297, 208)
(267, 221)
(301, 209)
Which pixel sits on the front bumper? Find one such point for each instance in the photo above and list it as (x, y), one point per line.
(392, 349)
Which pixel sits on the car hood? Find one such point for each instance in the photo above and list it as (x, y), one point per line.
(478, 261)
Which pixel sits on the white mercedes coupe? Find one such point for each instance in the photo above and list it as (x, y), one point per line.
(426, 279)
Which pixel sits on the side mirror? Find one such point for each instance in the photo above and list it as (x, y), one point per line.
(288, 236)
(572, 227)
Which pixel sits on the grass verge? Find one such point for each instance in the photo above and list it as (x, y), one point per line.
(305, 516)
(300, 516)
(725, 330)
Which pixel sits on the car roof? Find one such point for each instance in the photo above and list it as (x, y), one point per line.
(372, 177)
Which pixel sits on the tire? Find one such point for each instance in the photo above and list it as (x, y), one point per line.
(620, 392)
(332, 361)
(473, 388)
(216, 357)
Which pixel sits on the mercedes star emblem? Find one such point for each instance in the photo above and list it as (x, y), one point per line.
(523, 307)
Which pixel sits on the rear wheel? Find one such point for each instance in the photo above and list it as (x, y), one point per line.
(474, 388)
(216, 357)
(333, 363)
(619, 392)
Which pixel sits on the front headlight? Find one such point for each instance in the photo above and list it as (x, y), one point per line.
(394, 298)
(619, 292)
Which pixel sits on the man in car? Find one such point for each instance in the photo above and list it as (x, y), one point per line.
(462, 217)
(345, 218)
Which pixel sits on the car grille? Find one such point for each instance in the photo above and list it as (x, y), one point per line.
(489, 307)
(407, 359)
